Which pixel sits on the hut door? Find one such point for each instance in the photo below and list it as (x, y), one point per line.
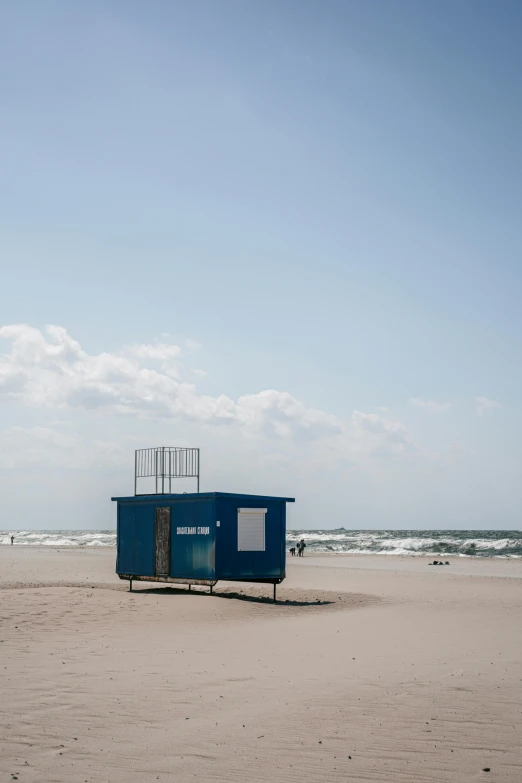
(162, 541)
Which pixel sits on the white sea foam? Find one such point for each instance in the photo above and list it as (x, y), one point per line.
(59, 538)
(443, 543)
(487, 543)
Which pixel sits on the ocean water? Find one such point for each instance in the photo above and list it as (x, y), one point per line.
(77, 538)
(462, 543)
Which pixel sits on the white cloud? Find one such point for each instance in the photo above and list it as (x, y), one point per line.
(42, 435)
(200, 373)
(166, 354)
(26, 447)
(484, 406)
(381, 435)
(192, 345)
(162, 351)
(52, 370)
(279, 414)
(430, 405)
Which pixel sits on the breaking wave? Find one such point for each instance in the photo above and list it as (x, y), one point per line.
(63, 538)
(463, 543)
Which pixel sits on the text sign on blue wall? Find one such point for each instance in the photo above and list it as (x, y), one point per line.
(193, 531)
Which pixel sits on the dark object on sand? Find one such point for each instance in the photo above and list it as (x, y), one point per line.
(486, 769)
(435, 562)
(447, 562)
(201, 538)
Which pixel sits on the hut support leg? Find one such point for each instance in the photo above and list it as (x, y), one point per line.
(211, 587)
(275, 588)
(130, 585)
(190, 588)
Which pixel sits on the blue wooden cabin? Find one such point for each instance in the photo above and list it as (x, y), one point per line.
(201, 538)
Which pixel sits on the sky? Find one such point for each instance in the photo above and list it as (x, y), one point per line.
(287, 232)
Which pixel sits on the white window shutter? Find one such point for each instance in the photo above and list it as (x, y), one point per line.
(251, 529)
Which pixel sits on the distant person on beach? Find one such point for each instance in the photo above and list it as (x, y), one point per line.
(301, 547)
(292, 551)
(12, 540)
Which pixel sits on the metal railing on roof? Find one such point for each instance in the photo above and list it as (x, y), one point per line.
(163, 464)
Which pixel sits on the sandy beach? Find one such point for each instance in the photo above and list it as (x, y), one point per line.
(368, 669)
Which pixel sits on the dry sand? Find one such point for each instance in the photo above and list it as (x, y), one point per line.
(403, 672)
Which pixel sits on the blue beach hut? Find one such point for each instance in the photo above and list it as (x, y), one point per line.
(197, 538)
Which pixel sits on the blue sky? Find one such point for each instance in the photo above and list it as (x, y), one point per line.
(317, 203)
